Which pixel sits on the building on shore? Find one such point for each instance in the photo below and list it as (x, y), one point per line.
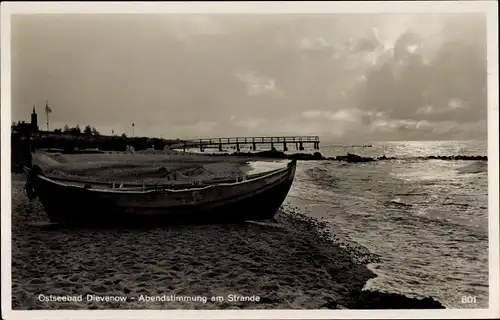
(27, 127)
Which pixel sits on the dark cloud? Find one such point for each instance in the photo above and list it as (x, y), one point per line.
(385, 77)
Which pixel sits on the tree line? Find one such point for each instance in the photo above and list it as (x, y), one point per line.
(90, 138)
(103, 143)
(76, 131)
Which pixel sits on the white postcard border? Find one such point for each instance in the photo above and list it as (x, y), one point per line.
(490, 8)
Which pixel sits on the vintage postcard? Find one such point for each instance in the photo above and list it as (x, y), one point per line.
(237, 160)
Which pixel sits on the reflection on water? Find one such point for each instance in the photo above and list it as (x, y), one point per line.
(397, 149)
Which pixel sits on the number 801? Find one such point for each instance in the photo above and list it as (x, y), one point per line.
(468, 299)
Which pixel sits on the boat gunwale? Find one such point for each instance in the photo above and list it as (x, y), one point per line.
(160, 189)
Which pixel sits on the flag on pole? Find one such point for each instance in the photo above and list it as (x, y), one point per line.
(47, 108)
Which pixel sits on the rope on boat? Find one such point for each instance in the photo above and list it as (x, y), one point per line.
(30, 182)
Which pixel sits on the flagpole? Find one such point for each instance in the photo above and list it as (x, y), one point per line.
(47, 113)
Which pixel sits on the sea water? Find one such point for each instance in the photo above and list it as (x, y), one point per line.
(426, 220)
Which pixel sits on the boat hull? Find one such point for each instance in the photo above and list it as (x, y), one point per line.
(248, 200)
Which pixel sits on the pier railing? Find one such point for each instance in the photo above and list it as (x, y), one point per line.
(299, 141)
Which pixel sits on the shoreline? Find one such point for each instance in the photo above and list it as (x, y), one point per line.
(357, 297)
(293, 262)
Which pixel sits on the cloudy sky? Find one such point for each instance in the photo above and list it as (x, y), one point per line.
(343, 77)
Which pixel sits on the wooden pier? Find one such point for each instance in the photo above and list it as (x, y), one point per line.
(253, 142)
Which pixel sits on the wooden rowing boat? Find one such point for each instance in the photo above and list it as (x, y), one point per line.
(73, 201)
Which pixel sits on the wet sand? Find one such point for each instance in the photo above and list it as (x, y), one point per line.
(291, 262)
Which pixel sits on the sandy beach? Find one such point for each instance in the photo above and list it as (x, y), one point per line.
(285, 263)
